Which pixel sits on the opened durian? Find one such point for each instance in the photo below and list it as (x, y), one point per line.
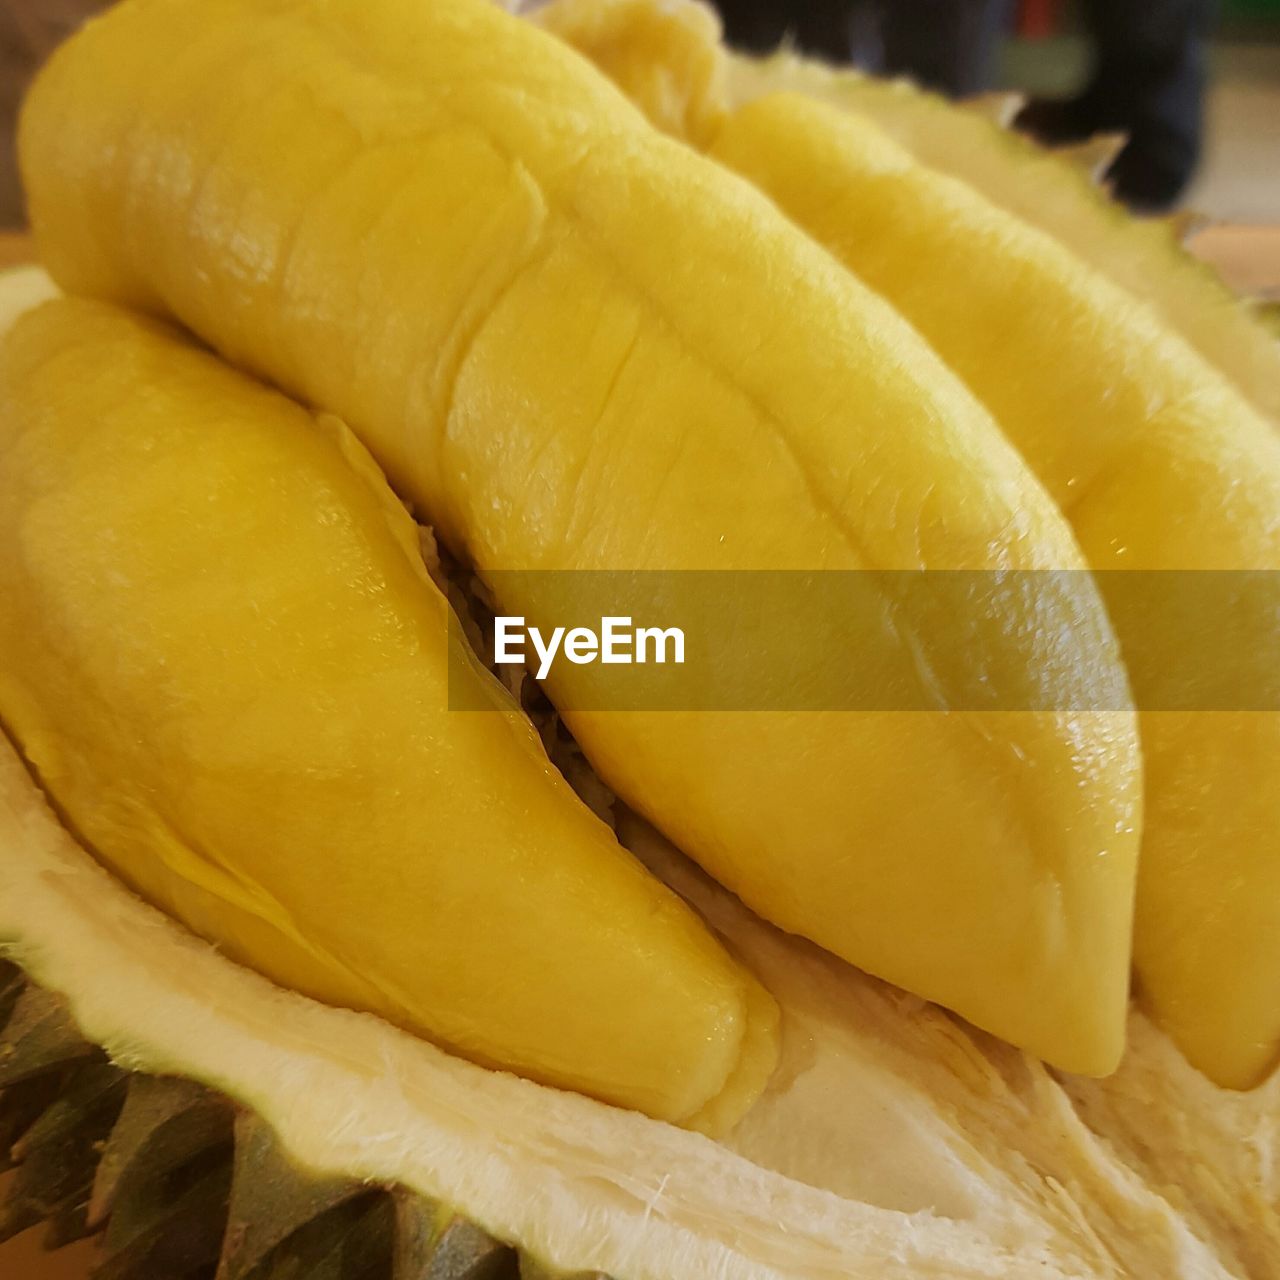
(468, 257)
(315, 974)
(1157, 459)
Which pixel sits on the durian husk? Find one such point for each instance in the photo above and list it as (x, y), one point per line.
(178, 1180)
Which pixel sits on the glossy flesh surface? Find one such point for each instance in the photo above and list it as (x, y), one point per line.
(1158, 463)
(224, 660)
(575, 344)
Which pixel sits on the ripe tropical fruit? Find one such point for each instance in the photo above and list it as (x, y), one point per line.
(575, 344)
(1158, 461)
(1144, 256)
(667, 58)
(699, 81)
(225, 662)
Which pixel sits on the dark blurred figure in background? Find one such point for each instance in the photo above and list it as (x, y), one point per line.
(946, 45)
(1147, 81)
(29, 30)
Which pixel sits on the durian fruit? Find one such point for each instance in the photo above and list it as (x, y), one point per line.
(894, 1143)
(1158, 463)
(666, 58)
(1056, 191)
(1153, 454)
(225, 662)
(205, 1124)
(573, 343)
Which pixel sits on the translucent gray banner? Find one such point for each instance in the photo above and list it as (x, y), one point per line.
(886, 640)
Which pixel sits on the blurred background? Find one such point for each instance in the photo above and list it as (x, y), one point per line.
(1193, 84)
(1238, 175)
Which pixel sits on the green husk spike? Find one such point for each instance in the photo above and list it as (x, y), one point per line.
(39, 1037)
(271, 1199)
(165, 1179)
(351, 1241)
(20, 1107)
(183, 1184)
(432, 1245)
(57, 1156)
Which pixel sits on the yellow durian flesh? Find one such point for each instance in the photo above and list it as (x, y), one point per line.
(575, 344)
(1143, 255)
(1158, 463)
(666, 58)
(226, 664)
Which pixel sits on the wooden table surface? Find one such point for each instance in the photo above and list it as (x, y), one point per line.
(15, 248)
(1247, 257)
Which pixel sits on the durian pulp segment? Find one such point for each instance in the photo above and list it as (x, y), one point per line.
(1144, 256)
(225, 662)
(1159, 464)
(442, 224)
